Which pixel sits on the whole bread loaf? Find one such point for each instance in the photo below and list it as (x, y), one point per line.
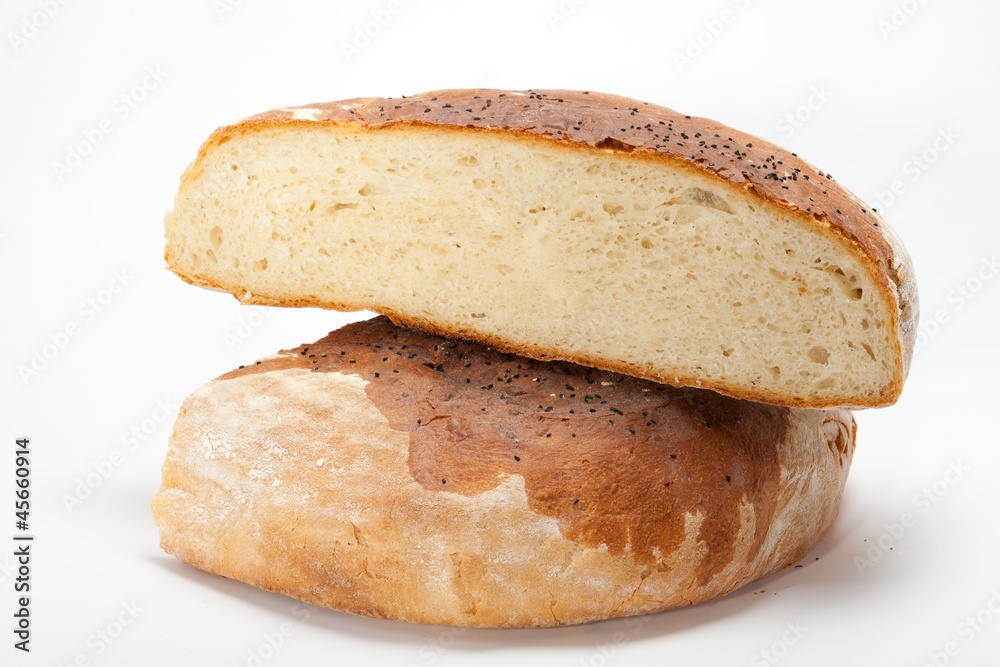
(560, 224)
(400, 475)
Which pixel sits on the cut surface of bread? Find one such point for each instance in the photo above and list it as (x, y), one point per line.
(405, 476)
(563, 225)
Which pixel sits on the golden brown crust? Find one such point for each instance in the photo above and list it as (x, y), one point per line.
(577, 433)
(400, 475)
(638, 130)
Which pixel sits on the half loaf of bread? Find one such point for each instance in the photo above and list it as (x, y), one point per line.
(401, 475)
(559, 224)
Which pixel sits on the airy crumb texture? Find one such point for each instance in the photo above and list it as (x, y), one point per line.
(748, 276)
(393, 474)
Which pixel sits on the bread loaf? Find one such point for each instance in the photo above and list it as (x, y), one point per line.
(400, 475)
(559, 224)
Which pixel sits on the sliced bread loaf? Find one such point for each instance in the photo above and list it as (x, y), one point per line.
(560, 224)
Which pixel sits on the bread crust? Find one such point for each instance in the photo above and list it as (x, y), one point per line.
(381, 483)
(590, 121)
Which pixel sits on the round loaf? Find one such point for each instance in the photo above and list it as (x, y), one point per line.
(558, 224)
(400, 475)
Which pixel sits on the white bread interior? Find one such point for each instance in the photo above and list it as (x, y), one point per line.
(644, 266)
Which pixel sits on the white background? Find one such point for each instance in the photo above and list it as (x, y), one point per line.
(860, 88)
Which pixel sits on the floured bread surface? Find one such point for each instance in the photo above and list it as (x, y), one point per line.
(405, 476)
(564, 225)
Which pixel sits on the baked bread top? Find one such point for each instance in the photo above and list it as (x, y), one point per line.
(475, 415)
(400, 475)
